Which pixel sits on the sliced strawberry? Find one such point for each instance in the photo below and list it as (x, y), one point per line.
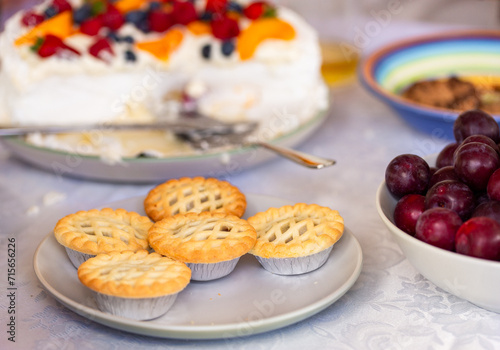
(31, 19)
(61, 5)
(101, 49)
(254, 10)
(184, 13)
(50, 45)
(53, 45)
(160, 21)
(112, 18)
(225, 28)
(216, 6)
(91, 26)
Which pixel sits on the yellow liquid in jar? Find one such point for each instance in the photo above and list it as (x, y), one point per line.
(339, 64)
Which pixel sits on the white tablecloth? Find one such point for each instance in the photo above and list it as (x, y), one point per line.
(391, 306)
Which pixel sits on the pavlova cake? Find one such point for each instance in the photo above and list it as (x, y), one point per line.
(104, 61)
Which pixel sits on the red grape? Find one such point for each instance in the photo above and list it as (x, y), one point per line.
(474, 164)
(445, 157)
(481, 139)
(490, 209)
(479, 237)
(407, 173)
(453, 195)
(438, 226)
(475, 122)
(433, 169)
(407, 211)
(493, 187)
(444, 173)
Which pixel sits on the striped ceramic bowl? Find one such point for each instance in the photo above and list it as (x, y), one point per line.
(387, 72)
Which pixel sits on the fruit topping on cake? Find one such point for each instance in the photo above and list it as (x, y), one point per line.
(260, 30)
(162, 47)
(52, 45)
(239, 28)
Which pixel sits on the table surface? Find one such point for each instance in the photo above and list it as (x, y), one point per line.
(391, 306)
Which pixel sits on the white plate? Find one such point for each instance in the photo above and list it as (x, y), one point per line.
(155, 169)
(248, 301)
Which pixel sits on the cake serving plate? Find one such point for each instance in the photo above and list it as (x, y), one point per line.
(147, 170)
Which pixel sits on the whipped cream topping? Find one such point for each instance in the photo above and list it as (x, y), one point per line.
(280, 85)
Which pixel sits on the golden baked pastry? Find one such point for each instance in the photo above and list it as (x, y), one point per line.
(134, 274)
(207, 237)
(295, 231)
(102, 231)
(198, 194)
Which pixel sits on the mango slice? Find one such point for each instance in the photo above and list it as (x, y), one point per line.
(163, 47)
(128, 5)
(199, 28)
(260, 30)
(60, 25)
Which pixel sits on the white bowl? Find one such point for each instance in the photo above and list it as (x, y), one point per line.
(473, 279)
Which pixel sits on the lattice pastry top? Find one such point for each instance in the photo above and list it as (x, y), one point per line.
(102, 231)
(202, 238)
(295, 231)
(130, 274)
(199, 194)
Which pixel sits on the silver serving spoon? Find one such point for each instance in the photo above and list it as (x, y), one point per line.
(201, 131)
(307, 160)
(244, 139)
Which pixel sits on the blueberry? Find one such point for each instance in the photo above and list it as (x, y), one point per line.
(206, 51)
(234, 6)
(136, 17)
(130, 56)
(128, 39)
(114, 37)
(227, 47)
(50, 12)
(154, 5)
(143, 26)
(82, 13)
(206, 16)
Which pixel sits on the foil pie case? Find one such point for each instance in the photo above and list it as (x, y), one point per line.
(295, 266)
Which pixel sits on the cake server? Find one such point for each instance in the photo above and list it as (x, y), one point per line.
(202, 126)
(244, 140)
(305, 159)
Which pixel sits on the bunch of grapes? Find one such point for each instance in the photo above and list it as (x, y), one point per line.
(456, 204)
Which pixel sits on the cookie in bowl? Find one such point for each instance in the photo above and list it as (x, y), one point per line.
(197, 194)
(85, 234)
(136, 285)
(209, 243)
(296, 239)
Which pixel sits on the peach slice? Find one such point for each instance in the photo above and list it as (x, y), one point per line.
(199, 28)
(60, 25)
(128, 5)
(163, 47)
(260, 30)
